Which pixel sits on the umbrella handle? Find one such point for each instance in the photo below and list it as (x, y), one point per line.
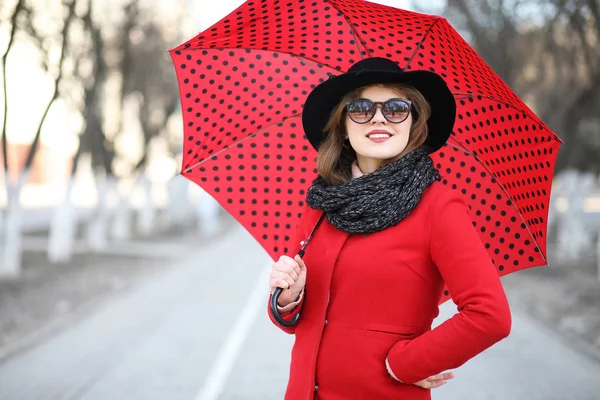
(275, 296)
(276, 314)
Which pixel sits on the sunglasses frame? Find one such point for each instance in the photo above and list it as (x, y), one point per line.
(380, 103)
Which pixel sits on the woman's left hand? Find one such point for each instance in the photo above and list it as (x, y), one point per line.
(432, 382)
(435, 381)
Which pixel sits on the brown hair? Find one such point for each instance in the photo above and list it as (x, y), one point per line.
(335, 157)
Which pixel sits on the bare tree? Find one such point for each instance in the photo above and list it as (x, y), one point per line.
(93, 139)
(91, 78)
(147, 78)
(6, 221)
(554, 63)
(11, 39)
(153, 80)
(10, 258)
(547, 51)
(583, 27)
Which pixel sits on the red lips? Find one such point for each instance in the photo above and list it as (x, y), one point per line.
(378, 131)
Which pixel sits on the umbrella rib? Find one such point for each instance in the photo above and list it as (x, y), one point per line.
(353, 31)
(462, 147)
(188, 169)
(421, 42)
(317, 69)
(316, 64)
(302, 60)
(468, 95)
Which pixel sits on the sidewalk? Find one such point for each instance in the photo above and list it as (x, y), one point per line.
(155, 342)
(162, 339)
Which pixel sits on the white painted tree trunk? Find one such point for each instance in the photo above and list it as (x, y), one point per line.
(121, 225)
(554, 214)
(147, 213)
(98, 224)
(573, 237)
(179, 208)
(598, 255)
(2, 230)
(208, 215)
(62, 229)
(11, 240)
(2, 212)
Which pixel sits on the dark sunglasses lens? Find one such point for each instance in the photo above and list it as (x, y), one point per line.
(360, 111)
(396, 110)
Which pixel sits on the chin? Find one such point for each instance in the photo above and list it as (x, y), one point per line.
(381, 155)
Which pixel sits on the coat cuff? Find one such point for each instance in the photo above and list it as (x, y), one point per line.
(389, 370)
(291, 306)
(394, 363)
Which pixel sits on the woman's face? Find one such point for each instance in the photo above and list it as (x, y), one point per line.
(378, 140)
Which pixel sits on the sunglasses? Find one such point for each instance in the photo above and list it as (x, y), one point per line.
(362, 111)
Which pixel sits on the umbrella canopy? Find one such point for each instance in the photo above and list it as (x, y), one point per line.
(244, 80)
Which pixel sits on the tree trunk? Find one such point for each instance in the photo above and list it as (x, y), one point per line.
(62, 229)
(61, 238)
(11, 254)
(13, 29)
(121, 224)
(208, 215)
(3, 211)
(598, 255)
(557, 195)
(179, 207)
(97, 227)
(573, 236)
(10, 240)
(147, 213)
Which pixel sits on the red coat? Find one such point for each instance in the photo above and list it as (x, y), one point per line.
(368, 297)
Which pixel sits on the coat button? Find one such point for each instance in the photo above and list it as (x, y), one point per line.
(326, 322)
(316, 387)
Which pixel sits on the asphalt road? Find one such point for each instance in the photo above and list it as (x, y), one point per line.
(199, 331)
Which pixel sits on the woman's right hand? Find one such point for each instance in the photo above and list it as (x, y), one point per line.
(290, 275)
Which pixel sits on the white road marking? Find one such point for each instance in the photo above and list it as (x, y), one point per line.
(217, 378)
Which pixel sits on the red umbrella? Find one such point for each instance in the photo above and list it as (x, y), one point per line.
(243, 83)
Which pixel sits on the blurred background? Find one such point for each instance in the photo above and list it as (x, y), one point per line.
(92, 209)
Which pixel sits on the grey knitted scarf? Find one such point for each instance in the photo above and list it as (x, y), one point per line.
(375, 201)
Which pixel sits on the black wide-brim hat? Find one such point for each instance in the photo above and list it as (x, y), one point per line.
(327, 95)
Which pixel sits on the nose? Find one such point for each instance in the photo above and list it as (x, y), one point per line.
(378, 117)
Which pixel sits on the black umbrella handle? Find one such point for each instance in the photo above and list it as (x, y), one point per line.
(276, 314)
(277, 292)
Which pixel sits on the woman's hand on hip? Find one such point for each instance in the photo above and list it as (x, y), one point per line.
(435, 381)
(290, 275)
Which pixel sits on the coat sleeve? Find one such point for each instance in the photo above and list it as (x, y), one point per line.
(483, 316)
(295, 248)
(288, 316)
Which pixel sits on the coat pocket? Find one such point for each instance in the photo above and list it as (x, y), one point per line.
(392, 331)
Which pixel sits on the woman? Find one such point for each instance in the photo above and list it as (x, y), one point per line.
(368, 288)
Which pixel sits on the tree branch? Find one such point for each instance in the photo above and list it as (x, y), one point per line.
(577, 22)
(34, 35)
(57, 78)
(478, 31)
(92, 137)
(593, 4)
